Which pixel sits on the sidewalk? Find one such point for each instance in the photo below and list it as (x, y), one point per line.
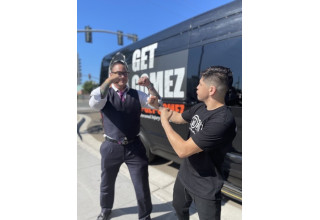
(125, 204)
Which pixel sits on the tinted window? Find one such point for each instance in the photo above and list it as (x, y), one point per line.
(227, 53)
(193, 70)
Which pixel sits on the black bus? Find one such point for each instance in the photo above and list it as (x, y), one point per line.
(173, 59)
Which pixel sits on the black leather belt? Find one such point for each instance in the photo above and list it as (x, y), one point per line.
(125, 141)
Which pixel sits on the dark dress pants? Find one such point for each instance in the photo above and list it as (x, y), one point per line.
(134, 155)
(182, 199)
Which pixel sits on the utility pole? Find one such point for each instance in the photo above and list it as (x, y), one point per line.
(88, 32)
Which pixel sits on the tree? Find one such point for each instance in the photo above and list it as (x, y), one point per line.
(88, 86)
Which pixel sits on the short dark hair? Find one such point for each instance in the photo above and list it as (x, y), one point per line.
(219, 76)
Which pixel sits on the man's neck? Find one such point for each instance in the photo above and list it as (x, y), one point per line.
(121, 89)
(213, 104)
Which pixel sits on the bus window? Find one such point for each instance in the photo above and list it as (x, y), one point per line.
(227, 53)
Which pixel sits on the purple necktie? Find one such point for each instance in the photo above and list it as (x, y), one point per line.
(121, 94)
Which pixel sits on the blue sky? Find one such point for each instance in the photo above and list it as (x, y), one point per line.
(141, 17)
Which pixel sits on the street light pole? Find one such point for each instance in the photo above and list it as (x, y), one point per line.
(120, 34)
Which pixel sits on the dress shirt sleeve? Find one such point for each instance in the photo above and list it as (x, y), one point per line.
(95, 101)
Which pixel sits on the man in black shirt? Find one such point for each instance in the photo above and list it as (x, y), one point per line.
(212, 129)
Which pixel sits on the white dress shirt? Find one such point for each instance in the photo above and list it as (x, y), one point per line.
(97, 103)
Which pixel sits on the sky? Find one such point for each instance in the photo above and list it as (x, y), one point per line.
(141, 17)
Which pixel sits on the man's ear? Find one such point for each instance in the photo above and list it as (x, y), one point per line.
(212, 90)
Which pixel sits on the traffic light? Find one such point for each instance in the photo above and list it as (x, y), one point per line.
(89, 76)
(134, 38)
(120, 37)
(88, 34)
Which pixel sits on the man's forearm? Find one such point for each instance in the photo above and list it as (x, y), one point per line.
(174, 138)
(152, 91)
(104, 87)
(175, 117)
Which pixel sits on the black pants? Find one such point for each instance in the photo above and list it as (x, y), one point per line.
(134, 155)
(182, 199)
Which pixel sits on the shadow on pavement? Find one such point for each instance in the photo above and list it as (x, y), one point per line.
(94, 129)
(160, 161)
(78, 127)
(164, 207)
(167, 216)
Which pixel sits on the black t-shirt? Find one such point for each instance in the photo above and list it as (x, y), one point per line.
(212, 131)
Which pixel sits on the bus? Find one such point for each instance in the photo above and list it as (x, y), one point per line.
(173, 59)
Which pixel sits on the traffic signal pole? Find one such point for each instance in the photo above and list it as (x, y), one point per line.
(88, 31)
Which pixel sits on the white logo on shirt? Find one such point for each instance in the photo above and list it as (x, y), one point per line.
(196, 124)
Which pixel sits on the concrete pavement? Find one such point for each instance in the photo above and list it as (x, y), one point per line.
(125, 205)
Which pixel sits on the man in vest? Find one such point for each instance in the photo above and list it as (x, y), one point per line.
(120, 108)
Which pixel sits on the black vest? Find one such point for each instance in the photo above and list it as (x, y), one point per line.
(121, 119)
